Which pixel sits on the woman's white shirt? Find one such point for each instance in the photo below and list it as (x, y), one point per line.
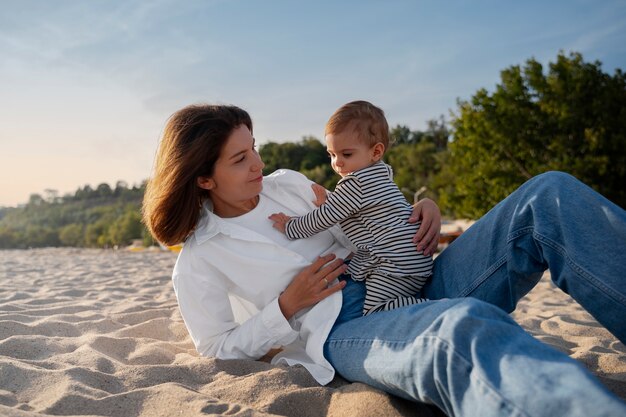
(257, 221)
(231, 271)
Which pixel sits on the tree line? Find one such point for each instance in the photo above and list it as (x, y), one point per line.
(570, 116)
(98, 217)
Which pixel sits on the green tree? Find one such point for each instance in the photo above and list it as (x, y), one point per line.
(72, 235)
(414, 168)
(126, 228)
(322, 175)
(37, 236)
(95, 218)
(84, 193)
(298, 156)
(96, 234)
(437, 133)
(104, 190)
(572, 118)
(36, 200)
(8, 239)
(401, 135)
(417, 157)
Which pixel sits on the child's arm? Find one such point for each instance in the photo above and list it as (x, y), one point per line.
(281, 219)
(341, 204)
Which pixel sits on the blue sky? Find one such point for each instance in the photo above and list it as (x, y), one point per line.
(86, 86)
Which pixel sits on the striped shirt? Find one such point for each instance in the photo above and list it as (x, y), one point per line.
(373, 214)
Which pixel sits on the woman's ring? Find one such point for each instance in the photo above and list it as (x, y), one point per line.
(326, 281)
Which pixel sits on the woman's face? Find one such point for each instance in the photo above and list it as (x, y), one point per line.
(238, 176)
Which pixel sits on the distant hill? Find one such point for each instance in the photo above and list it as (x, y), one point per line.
(100, 217)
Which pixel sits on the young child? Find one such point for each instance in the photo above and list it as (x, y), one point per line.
(370, 208)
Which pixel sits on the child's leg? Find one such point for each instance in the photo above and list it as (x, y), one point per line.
(386, 293)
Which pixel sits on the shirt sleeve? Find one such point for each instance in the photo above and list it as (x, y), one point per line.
(206, 309)
(344, 202)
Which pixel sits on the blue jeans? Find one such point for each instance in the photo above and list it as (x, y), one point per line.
(465, 354)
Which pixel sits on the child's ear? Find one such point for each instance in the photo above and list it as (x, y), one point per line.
(378, 151)
(205, 183)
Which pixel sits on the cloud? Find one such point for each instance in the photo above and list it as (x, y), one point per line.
(599, 37)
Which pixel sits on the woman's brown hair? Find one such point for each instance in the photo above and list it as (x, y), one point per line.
(191, 144)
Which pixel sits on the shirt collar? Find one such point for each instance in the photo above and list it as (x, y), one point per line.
(210, 224)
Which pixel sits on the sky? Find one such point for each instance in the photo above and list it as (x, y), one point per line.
(86, 86)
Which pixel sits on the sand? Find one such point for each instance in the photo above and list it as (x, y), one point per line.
(98, 332)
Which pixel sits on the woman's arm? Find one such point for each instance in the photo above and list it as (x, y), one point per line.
(427, 236)
(205, 306)
(204, 303)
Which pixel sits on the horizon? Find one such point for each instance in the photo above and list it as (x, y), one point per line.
(89, 86)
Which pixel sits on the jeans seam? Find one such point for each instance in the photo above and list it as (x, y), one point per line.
(477, 282)
(515, 234)
(570, 262)
(369, 342)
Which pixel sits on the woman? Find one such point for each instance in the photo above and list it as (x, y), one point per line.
(244, 289)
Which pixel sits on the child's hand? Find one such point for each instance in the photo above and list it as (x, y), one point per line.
(280, 220)
(320, 194)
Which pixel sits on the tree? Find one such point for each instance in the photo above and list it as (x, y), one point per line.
(401, 134)
(121, 187)
(416, 157)
(90, 217)
(72, 235)
(84, 193)
(95, 234)
(52, 196)
(126, 228)
(437, 133)
(8, 239)
(104, 190)
(572, 118)
(304, 155)
(414, 168)
(37, 236)
(36, 200)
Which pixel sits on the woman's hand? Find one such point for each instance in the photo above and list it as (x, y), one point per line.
(312, 285)
(427, 237)
(320, 194)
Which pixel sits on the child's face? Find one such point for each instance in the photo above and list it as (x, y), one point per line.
(349, 154)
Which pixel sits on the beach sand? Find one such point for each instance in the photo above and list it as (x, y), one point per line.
(98, 332)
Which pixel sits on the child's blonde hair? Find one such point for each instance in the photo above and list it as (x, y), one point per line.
(365, 119)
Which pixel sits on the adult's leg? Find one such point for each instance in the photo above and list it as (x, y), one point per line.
(552, 222)
(465, 356)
